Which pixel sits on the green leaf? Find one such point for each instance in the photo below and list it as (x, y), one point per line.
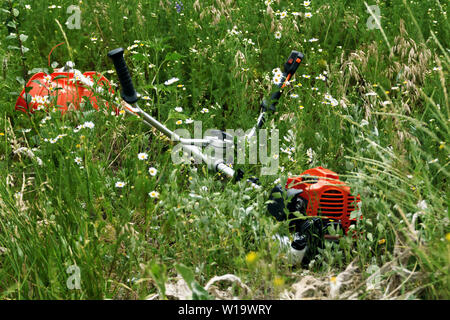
(60, 77)
(20, 80)
(172, 56)
(186, 273)
(23, 37)
(198, 292)
(158, 273)
(11, 24)
(139, 57)
(38, 82)
(13, 48)
(176, 115)
(11, 36)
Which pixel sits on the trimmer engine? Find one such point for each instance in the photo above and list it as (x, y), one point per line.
(317, 193)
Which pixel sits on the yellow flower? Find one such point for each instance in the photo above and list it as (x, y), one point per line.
(382, 241)
(278, 281)
(2, 134)
(447, 236)
(301, 107)
(333, 279)
(387, 92)
(442, 145)
(251, 257)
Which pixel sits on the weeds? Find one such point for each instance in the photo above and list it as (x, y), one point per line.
(370, 105)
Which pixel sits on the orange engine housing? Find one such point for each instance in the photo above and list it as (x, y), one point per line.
(326, 195)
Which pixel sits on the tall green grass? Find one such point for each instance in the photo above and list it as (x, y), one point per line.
(387, 137)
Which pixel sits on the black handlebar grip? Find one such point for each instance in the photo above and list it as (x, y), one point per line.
(128, 93)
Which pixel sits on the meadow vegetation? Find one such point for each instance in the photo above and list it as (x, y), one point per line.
(98, 189)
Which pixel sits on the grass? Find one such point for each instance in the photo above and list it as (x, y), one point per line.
(387, 137)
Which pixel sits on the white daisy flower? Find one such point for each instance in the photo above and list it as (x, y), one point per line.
(142, 156)
(278, 35)
(204, 110)
(154, 194)
(179, 122)
(88, 124)
(276, 80)
(120, 184)
(308, 15)
(78, 160)
(189, 121)
(277, 71)
(179, 109)
(294, 96)
(152, 171)
(306, 3)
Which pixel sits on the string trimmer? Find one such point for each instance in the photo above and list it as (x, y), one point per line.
(316, 193)
(312, 201)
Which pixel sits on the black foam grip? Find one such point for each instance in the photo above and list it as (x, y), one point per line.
(128, 93)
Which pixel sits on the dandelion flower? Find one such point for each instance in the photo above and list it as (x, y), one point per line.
(142, 156)
(278, 282)
(251, 257)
